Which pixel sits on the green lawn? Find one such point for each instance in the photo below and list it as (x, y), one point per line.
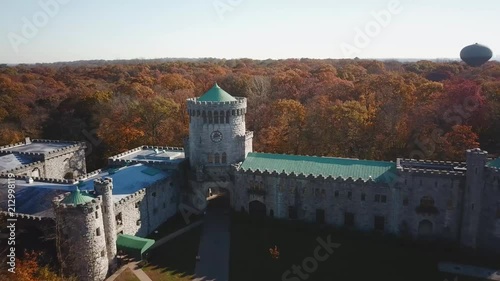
(360, 256)
(176, 259)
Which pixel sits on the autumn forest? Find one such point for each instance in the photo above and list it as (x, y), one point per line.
(346, 108)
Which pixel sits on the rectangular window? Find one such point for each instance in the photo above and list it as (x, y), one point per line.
(292, 213)
(138, 222)
(320, 216)
(118, 219)
(336, 193)
(383, 198)
(96, 215)
(405, 202)
(363, 197)
(98, 231)
(349, 195)
(379, 223)
(164, 205)
(103, 253)
(348, 219)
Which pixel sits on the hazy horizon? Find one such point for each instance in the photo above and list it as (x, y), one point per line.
(48, 31)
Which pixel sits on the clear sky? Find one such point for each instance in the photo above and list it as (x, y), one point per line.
(66, 30)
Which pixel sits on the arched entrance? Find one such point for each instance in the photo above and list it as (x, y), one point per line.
(257, 208)
(425, 228)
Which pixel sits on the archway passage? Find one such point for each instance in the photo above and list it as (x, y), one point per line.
(257, 208)
(425, 228)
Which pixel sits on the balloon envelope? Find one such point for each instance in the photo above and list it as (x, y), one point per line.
(476, 55)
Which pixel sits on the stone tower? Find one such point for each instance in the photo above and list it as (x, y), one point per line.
(476, 162)
(217, 138)
(104, 187)
(80, 239)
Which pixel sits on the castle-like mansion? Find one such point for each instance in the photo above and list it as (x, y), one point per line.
(142, 188)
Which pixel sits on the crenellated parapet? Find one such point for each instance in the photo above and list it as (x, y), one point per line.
(130, 198)
(240, 102)
(23, 168)
(25, 217)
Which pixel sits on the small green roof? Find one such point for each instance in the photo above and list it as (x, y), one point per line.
(494, 164)
(132, 244)
(379, 171)
(216, 94)
(76, 197)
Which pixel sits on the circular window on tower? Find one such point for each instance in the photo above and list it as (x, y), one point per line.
(216, 136)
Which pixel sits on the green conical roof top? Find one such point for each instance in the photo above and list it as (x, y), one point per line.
(216, 94)
(77, 198)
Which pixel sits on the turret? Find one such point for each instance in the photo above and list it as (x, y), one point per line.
(217, 131)
(476, 162)
(80, 239)
(104, 187)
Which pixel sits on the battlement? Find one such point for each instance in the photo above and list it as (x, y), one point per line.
(239, 102)
(130, 197)
(432, 167)
(89, 175)
(3, 147)
(477, 151)
(43, 148)
(91, 205)
(145, 147)
(23, 167)
(25, 216)
(40, 179)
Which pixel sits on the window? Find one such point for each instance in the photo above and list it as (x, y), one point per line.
(103, 253)
(164, 205)
(320, 216)
(137, 204)
(232, 112)
(204, 115)
(221, 115)
(154, 194)
(227, 117)
(271, 212)
(383, 198)
(377, 198)
(348, 219)
(210, 158)
(224, 158)
(405, 202)
(210, 119)
(138, 222)
(427, 201)
(119, 220)
(363, 197)
(379, 223)
(155, 210)
(349, 195)
(292, 213)
(216, 117)
(96, 215)
(450, 204)
(336, 193)
(98, 231)
(498, 211)
(217, 158)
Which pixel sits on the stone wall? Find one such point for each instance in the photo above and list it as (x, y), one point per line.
(144, 211)
(80, 240)
(71, 161)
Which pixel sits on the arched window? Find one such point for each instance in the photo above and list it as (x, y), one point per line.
(216, 117)
(233, 112)
(217, 158)
(222, 117)
(210, 119)
(224, 158)
(197, 113)
(204, 115)
(210, 158)
(227, 117)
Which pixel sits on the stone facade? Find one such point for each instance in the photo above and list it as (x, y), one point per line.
(80, 240)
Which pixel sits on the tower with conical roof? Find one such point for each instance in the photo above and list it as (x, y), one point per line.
(80, 239)
(217, 136)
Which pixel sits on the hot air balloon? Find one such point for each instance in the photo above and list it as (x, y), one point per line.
(476, 55)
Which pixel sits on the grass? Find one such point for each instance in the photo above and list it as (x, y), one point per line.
(360, 256)
(173, 224)
(176, 259)
(127, 275)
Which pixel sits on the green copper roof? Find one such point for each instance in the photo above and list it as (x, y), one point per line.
(495, 163)
(77, 198)
(216, 94)
(133, 245)
(379, 171)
